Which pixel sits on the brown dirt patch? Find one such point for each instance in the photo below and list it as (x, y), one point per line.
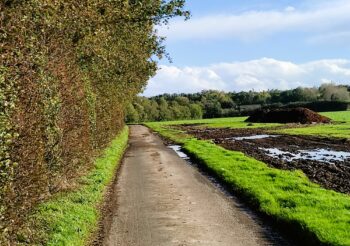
(335, 175)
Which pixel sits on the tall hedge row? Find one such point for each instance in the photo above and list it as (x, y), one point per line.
(67, 70)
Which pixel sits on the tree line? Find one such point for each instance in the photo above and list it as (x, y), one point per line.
(212, 103)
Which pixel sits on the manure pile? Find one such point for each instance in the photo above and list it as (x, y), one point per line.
(292, 115)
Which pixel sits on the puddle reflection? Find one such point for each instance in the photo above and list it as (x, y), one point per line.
(321, 155)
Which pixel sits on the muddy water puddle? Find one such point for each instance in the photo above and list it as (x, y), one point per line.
(321, 155)
(325, 161)
(179, 152)
(254, 137)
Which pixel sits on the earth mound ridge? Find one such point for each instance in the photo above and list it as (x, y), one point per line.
(289, 115)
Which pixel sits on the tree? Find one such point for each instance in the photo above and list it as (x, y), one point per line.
(140, 112)
(131, 114)
(275, 96)
(183, 101)
(261, 97)
(301, 94)
(212, 109)
(76, 65)
(331, 92)
(164, 111)
(196, 111)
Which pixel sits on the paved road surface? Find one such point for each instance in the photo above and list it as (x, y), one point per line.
(161, 200)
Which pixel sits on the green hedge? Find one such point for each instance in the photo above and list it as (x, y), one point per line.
(321, 106)
(67, 71)
(70, 218)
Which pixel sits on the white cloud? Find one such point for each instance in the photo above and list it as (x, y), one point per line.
(325, 17)
(261, 74)
(289, 9)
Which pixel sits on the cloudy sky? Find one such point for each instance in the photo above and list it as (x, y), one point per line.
(236, 45)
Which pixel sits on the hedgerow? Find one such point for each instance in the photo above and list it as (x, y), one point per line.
(67, 70)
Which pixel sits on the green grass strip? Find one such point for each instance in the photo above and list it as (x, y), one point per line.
(234, 122)
(336, 130)
(323, 216)
(340, 128)
(71, 218)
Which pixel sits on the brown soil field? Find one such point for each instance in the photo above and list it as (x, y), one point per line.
(326, 161)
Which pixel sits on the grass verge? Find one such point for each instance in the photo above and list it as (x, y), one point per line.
(318, 216)
(233, 122)
(339, 129)
(72, 217)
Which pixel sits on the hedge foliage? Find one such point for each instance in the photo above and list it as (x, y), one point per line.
(67, 70)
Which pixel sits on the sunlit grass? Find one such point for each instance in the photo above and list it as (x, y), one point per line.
(71, 217)
(286, 196)
(339, 129)
(234, 122)
(338, 116)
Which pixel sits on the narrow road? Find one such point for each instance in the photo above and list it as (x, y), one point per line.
(161, 200)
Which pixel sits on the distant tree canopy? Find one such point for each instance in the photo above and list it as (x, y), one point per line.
(211, 103)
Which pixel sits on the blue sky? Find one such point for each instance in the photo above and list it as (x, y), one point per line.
(243, 45)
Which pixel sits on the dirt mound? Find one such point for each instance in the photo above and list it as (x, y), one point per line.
(292, 115)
